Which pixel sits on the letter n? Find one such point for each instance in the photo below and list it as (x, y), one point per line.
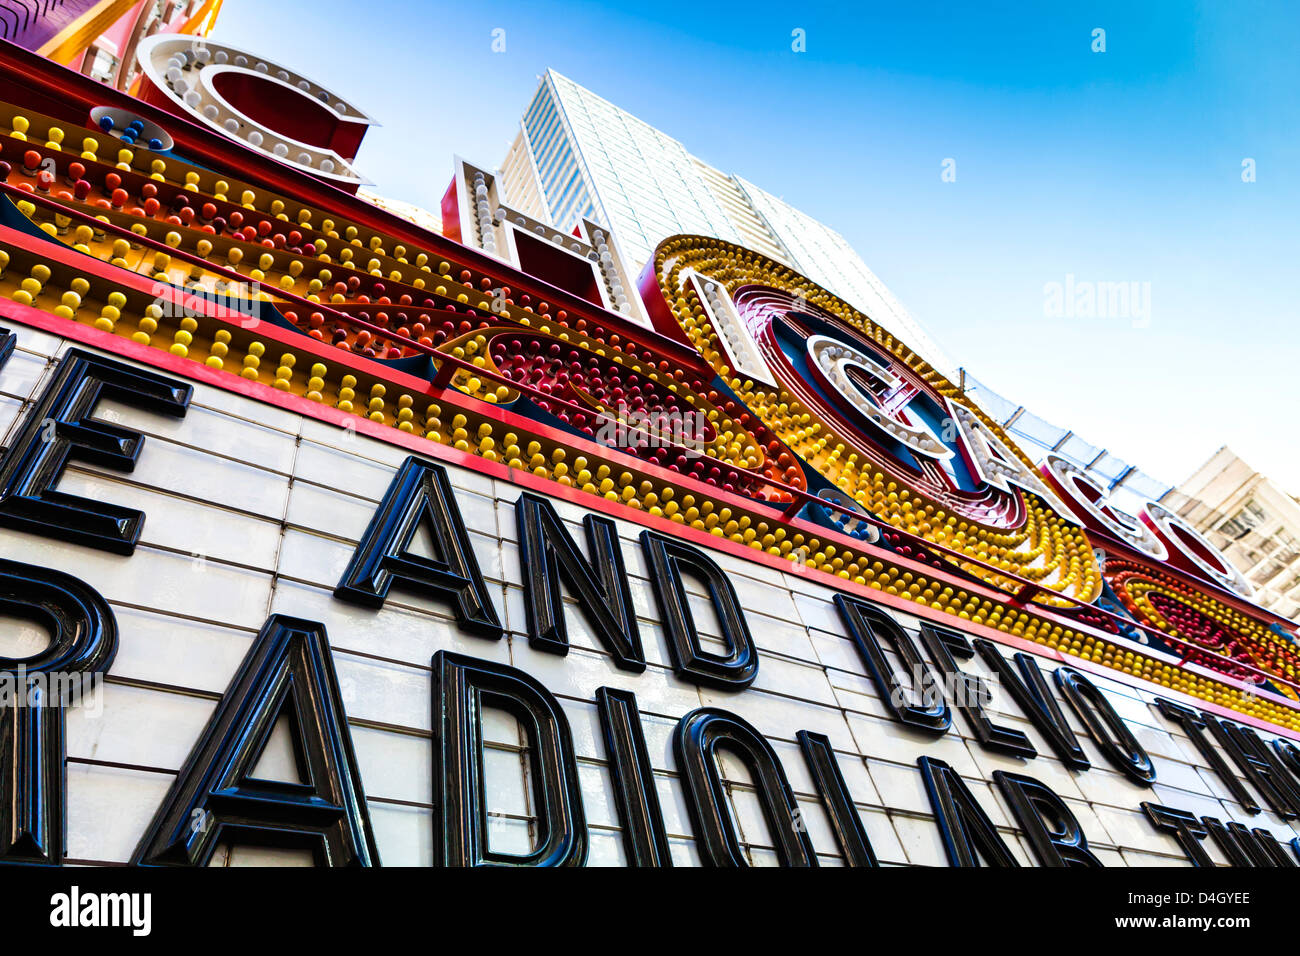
(548, 553)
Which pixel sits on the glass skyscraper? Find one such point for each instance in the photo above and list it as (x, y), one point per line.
(578, 155)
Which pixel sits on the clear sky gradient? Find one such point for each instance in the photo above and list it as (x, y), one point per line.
(1122, 166)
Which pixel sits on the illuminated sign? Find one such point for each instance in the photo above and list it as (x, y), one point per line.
(423, 506)
(255, 100)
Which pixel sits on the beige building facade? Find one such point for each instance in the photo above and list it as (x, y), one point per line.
(1254, 521)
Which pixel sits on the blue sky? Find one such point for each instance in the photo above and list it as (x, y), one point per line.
(1115, 166)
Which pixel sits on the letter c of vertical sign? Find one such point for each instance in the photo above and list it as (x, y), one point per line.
(61, 427)
(288, 672)
(266, 107)
(696, 741)
(420, 492)
(32, 799)
(463, 687)
(737, 669)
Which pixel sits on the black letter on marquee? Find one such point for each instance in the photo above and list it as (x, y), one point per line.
(1107, 728)
(1187, 830)
(1194, 726)
(866, 624)
(634, 783)
(1288, 754)
(1272, 848)
(463, 687)
(547, 552)
(966, 829)
(695, 741)
(32, 800)
(1227, 842)
(420, 491)
(1245, 847)
(289, 671)
(1260, 765)
(1255, 849)
(1267, 849)
(1052, 830)
(737, 670)
(60, 427)
(973, 692)
(850, 834)
(1030, 690)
